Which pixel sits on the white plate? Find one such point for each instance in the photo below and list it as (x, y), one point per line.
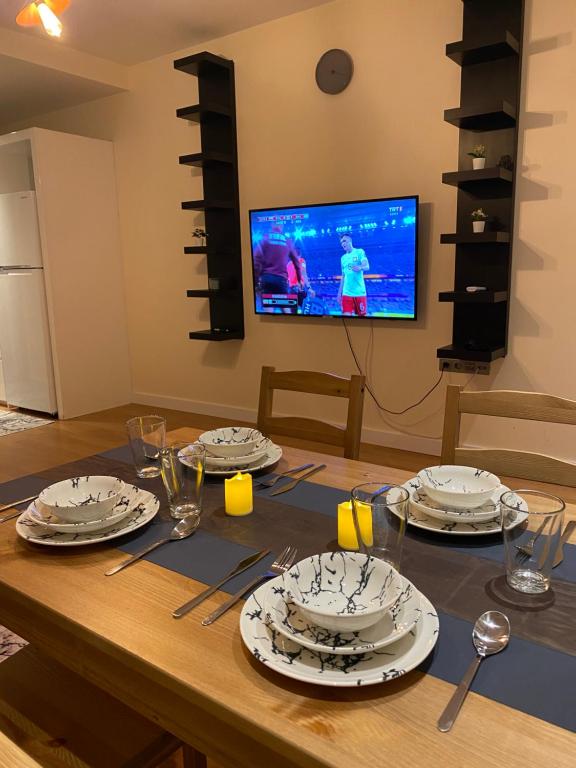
(284, 615)
(130, 497)
(37, 533)
(487, 511)
(293, 660)
(271, 457)
(219, 462)
(420, 519)
(214, 462)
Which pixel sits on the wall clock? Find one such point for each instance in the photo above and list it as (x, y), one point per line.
(334, 71)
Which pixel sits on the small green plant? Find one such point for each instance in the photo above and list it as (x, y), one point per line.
(200, 235)
(478, 215)
(478, 151)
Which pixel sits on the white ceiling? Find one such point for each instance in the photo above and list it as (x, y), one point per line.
(27, 90)
(131, 31)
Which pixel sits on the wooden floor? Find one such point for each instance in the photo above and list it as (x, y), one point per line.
(32, 450)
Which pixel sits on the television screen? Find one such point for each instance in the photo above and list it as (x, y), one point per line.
(337, 260)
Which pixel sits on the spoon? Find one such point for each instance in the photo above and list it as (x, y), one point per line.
(490, 635)
(181, 530)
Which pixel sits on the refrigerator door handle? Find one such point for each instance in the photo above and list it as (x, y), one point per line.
(15, 274)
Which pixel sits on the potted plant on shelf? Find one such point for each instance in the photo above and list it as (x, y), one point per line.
(200, 234)
(478, 220)
(478, 155)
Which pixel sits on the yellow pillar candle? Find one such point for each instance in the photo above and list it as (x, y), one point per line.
(238, 495)
(347, 538)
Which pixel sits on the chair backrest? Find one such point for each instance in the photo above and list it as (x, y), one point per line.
(312, 382)
(509, 405)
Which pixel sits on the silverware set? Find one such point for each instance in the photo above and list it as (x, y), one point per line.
(269, 482)
(293, 482)
(13, 504)
(242, 566)
(283, 562)
(526, 550)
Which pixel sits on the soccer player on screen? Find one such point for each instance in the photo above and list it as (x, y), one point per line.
(352, 291)
(271, 259)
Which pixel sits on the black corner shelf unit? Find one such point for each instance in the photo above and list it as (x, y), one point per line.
(490, 57)
(215, 115)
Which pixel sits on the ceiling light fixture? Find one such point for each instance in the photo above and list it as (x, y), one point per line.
(44, 12)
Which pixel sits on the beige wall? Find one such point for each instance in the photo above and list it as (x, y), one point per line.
(383, 136)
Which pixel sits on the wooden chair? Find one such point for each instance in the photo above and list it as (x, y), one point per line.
(59, 720)
(509, 405)
(312, 429)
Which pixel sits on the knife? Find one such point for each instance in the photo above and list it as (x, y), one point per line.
(13, 504)
(294, 483)
(563, 539)
(242, 566)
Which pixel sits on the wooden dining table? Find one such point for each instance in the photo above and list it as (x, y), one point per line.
(203, 685)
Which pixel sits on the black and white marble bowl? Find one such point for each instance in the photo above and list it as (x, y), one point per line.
(230, 441)
(81, 499)
(459, 487)
(343, 591)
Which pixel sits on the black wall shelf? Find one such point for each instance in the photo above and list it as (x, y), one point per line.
(191, 249)
(479, 52)
(203, 64)
(483, 117)
(215, 114)
(478, 297)
(207, 205)
(484, 183)
(486, 355)
(206, 159)
(490, 236)
(217, 334)
(490, 58)
(200, 113)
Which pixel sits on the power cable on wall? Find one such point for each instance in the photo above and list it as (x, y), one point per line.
(366, 373)
(369, 388)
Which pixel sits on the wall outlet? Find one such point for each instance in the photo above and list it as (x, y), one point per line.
(464, 366)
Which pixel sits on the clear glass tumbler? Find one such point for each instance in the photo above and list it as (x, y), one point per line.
(147, 434)
(183, 466)
(531, 525)
(380, 513)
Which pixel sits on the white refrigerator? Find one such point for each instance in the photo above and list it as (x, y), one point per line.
(24, 333)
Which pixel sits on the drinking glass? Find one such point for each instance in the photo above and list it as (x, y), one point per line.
(183, 468)
(380, 513)
(530, 544)
(147, 434)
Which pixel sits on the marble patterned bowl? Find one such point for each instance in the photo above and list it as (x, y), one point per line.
(343, 591)
(81, 499)
(230, 441)
(458, 487)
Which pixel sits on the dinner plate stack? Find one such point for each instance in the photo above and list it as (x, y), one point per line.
(340, 619)
(237, 449)
(457, 500)
(86, 510)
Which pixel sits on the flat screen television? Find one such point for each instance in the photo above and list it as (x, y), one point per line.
(356, 259)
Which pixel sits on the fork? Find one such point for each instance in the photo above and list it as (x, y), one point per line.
(525, 551)
(273, 480)
(282, 563)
